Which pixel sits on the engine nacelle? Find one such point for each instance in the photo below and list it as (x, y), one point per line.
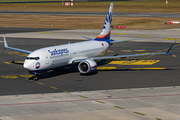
(87, 66)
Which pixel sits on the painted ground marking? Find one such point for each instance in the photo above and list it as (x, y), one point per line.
(40, 83)
(67, 92)
(15, 62)
(119, 107)
(106, 68)
(148, 68)
(166, 95)
(171, 39)
(139, 113)
(10, 77)
(135, 62)
(139, 50)
(26, 76)
(100, 101)
(17, 53)
(110, 51)
(53, 87)
(83, 96)
(126, 50)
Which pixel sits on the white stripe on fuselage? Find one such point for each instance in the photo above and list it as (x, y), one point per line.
(56, 56)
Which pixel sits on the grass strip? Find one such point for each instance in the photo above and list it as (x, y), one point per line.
(156, 6)
(83, 22)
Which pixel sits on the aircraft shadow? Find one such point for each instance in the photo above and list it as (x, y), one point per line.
(54, 73)
(74, 68)
(130, 69)
(17, 63)
(70, 69)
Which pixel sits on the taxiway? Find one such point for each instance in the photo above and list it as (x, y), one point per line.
(136, 88)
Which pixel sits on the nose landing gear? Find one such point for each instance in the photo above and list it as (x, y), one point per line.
(35, 77)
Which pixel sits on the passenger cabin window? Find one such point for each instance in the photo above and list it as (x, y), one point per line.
(32, 58)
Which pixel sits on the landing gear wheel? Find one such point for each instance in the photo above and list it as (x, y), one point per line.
(60, 69)
(35, 78)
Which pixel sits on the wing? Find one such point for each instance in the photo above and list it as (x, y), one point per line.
(123, 56)
(16, 49)
(126, 40)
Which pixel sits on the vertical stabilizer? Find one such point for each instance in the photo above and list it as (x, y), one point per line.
(106, 31)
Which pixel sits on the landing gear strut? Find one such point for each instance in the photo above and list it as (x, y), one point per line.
(35, 77)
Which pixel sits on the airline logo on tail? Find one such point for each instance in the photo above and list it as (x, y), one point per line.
(108, 19)
(106, 30)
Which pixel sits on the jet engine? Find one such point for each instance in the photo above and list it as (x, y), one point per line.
(87, 66)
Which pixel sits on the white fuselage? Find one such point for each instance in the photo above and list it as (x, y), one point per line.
(61, 55)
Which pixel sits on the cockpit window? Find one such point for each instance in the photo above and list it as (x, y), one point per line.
(32, 58)
(36, 58)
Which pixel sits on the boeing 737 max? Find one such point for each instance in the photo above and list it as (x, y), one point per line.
(85, 54)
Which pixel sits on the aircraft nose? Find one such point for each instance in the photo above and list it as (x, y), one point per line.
(27, 65)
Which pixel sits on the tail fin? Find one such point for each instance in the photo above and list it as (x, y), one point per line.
(106, 31)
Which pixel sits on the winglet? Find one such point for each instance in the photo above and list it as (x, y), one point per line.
(170, 49)
(5, 42)
(16, 49)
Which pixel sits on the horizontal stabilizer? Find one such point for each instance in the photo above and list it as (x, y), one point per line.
(124, 56)
(88, 38)
(127, 40)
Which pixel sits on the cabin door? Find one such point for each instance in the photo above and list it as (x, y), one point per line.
(46, 58)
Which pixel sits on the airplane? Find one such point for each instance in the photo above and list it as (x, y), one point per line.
(84, 54)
